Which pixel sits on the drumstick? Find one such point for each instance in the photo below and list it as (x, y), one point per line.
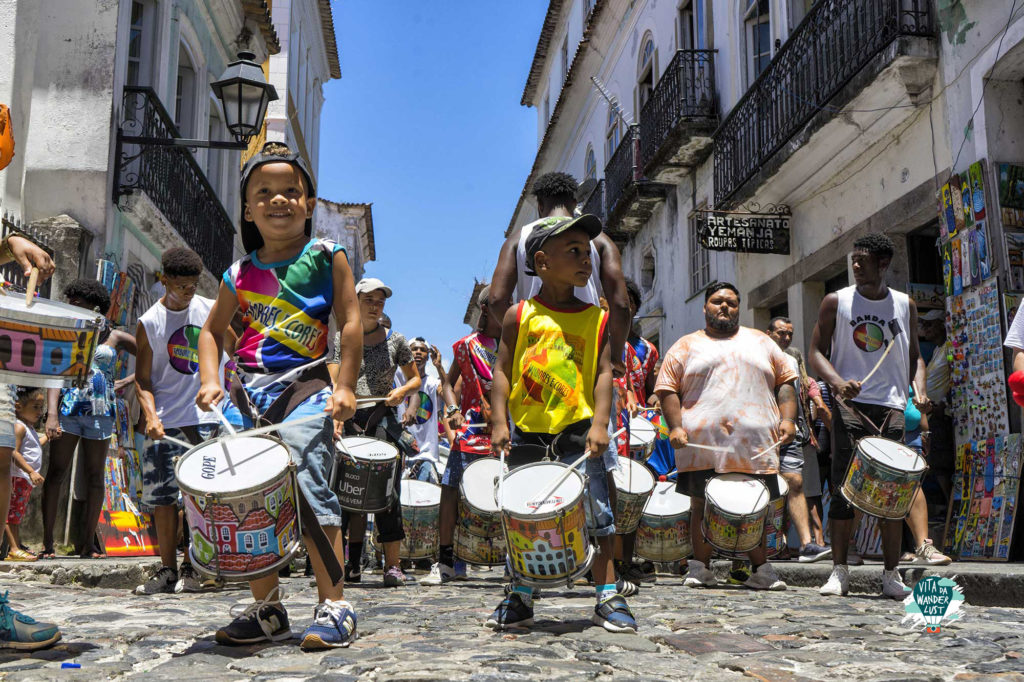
(879, 363)
(259, 431)
(560, 480)
(713, 448)
(344, 449)
(373, 399)
(224, 420)
(183, 443)
(30, 291)
(765, 451)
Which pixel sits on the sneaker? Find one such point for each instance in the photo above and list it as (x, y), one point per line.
(460, 570)
(838, 583)
(18, 554)
(739, 574)
(162, 582)
(353, 573)
(907, 557)
(334, 626)
(264, 620)
(613, 615)
(699, 575)
(812, 552)
(764, 577)
(892, 585)
(188, 580)
(18, 631)
(928, 555)
(626, 588)
(439, 575)
(534, 591)
(511, 612)
(394, 577)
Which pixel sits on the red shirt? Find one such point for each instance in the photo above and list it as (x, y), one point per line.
(475, 355)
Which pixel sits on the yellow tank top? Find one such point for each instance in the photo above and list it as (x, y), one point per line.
(555, 366)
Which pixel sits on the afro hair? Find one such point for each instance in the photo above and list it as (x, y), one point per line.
(633, 291)
(181, 262)
(90, 292)
(556, 186)
(876, 244)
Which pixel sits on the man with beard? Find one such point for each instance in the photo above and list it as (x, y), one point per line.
(726, 386)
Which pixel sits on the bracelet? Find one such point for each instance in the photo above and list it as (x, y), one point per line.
(451, 410)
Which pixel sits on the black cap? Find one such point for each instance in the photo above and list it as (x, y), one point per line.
(549, 227)
(251, 239)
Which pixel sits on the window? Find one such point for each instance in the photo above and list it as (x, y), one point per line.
(647, 271)
(214, 161)
(613, 136)
(691, 31)
(700, 264)
(140, 43)
(645, 79)
(185, 95)
(225, 534)
(798, 9)
(565, 59)
(590, 165)
(249, 544)
(588, 7)
(759, 38)
(264, 540)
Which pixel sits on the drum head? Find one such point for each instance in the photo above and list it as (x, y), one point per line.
(46, 312)
(783, 486)
(641, 432)
(737, 494)
(368, 449)
(633, 477)
(522, 488)
(478, 483)
(420, 494)
(891, 454)
(666, 501)
(254, 460)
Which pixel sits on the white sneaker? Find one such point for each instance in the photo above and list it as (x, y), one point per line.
(928, 555)
(838, 583)
(439, 575)
(188, 580)
(162, 582)
(892, 585)
(699, 575)
(765, 578)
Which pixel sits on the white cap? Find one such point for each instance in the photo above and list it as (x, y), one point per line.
(368, 284)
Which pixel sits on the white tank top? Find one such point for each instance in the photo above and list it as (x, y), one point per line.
(31, 450)
(174, 377)
(864, 329)
(527, 286)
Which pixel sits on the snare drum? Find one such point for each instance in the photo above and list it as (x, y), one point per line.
(634, 485)
(735, 509)
(776, 538)
(364, 478)
(547, 539)
(478, 537)
(241, 502)
(664, 530)
(642, 435)
(48, 344)
(421, 506)
(883, 477)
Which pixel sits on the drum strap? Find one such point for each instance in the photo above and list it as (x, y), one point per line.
(863, 418)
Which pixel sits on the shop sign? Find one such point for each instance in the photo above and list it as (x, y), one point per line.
(753, 231)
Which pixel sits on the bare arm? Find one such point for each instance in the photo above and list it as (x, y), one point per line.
(53, 431)
(411, 385)
(614, 285)
(346, 314)
(144, 384)
(504, 278)
(500, 386)
(786, 396)
(453, 383)
(597, 439)
(123, 341)
(211, 348)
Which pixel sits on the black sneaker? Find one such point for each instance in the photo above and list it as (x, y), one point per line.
(511, 612)
(261, 621)
(353, 574)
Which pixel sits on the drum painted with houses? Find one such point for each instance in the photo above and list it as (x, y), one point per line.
(634, 484)
(664, 530)
(883, 477)
(48, 344)
(735, 509)
(364, 475)
(478, 536)
(421, 506)
(547, 539)
(776, 539)
(642, 435)
(241, 503)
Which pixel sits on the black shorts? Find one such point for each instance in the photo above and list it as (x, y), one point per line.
(847, 429)
(692, 483)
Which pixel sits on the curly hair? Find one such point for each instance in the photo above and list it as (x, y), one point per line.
(556, 186)
(633, 291)
(181, 262)
(877, 244)
(91, 292)
(26, 392)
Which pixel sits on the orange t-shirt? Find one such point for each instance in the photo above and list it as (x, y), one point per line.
(726, 391)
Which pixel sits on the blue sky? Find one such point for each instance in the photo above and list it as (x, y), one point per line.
(426, 124)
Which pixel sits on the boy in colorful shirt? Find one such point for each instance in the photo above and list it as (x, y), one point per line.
(553, 376)
(286, 287)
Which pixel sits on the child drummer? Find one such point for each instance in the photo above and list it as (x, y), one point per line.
(554, 376)
(287, 286)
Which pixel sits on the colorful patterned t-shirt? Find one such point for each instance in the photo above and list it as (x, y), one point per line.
(475, 355)
(286, 307)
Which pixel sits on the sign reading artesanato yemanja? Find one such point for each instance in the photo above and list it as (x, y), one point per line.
(745, 232)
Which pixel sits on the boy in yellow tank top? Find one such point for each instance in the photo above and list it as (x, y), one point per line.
(553, 376)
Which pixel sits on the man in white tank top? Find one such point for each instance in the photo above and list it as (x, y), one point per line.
(167, 381)
(872, 332)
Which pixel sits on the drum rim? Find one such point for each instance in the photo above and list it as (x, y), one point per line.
(185, 488)
(857, 449)
(767, 492)
(536, 516)
(85, 317)
(462, 484)
(654, 480)
(346, 453)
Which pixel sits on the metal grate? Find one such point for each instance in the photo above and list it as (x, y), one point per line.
(11, 273)
(623, 169)
(686, 91)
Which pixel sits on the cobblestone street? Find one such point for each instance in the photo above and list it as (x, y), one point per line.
(430, 633)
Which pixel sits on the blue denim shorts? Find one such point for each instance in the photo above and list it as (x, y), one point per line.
(92, 427)
(457, 463)
(7, 416)
(159, 484)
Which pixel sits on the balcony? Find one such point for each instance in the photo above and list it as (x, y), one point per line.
(678, 120)
(165, 189)
(630, 198)
(594, 203)
(876, 58)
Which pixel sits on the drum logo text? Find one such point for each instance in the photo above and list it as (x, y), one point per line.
(209, 467)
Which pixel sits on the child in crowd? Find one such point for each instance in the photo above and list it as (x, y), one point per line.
(25, 465)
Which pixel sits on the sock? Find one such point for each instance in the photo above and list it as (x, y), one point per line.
(525, 593)
(447, 555)
(355, 554)
(604, 592)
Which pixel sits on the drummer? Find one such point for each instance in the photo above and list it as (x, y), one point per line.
(287, 286)
(726, 386)
(18, 631)
(859, 323)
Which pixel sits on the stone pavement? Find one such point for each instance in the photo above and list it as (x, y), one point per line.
(431, 633)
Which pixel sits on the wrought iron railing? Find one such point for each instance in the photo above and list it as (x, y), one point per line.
(831, 45)
(685, 91)
(623, 169)
(172, 179)
(11, 273)
(595, 202)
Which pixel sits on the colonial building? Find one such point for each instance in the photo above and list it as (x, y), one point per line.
(351, 225)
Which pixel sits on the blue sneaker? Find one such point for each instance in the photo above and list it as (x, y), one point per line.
(18, 631)
(460, 570)
(512, 612)
(613, 615)
(334, 626)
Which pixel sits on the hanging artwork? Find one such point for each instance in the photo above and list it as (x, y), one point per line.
(1015, 257)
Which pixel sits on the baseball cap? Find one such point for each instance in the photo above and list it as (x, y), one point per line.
(932, 315)
(251, 238)
(549, 227)
(368, 284)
